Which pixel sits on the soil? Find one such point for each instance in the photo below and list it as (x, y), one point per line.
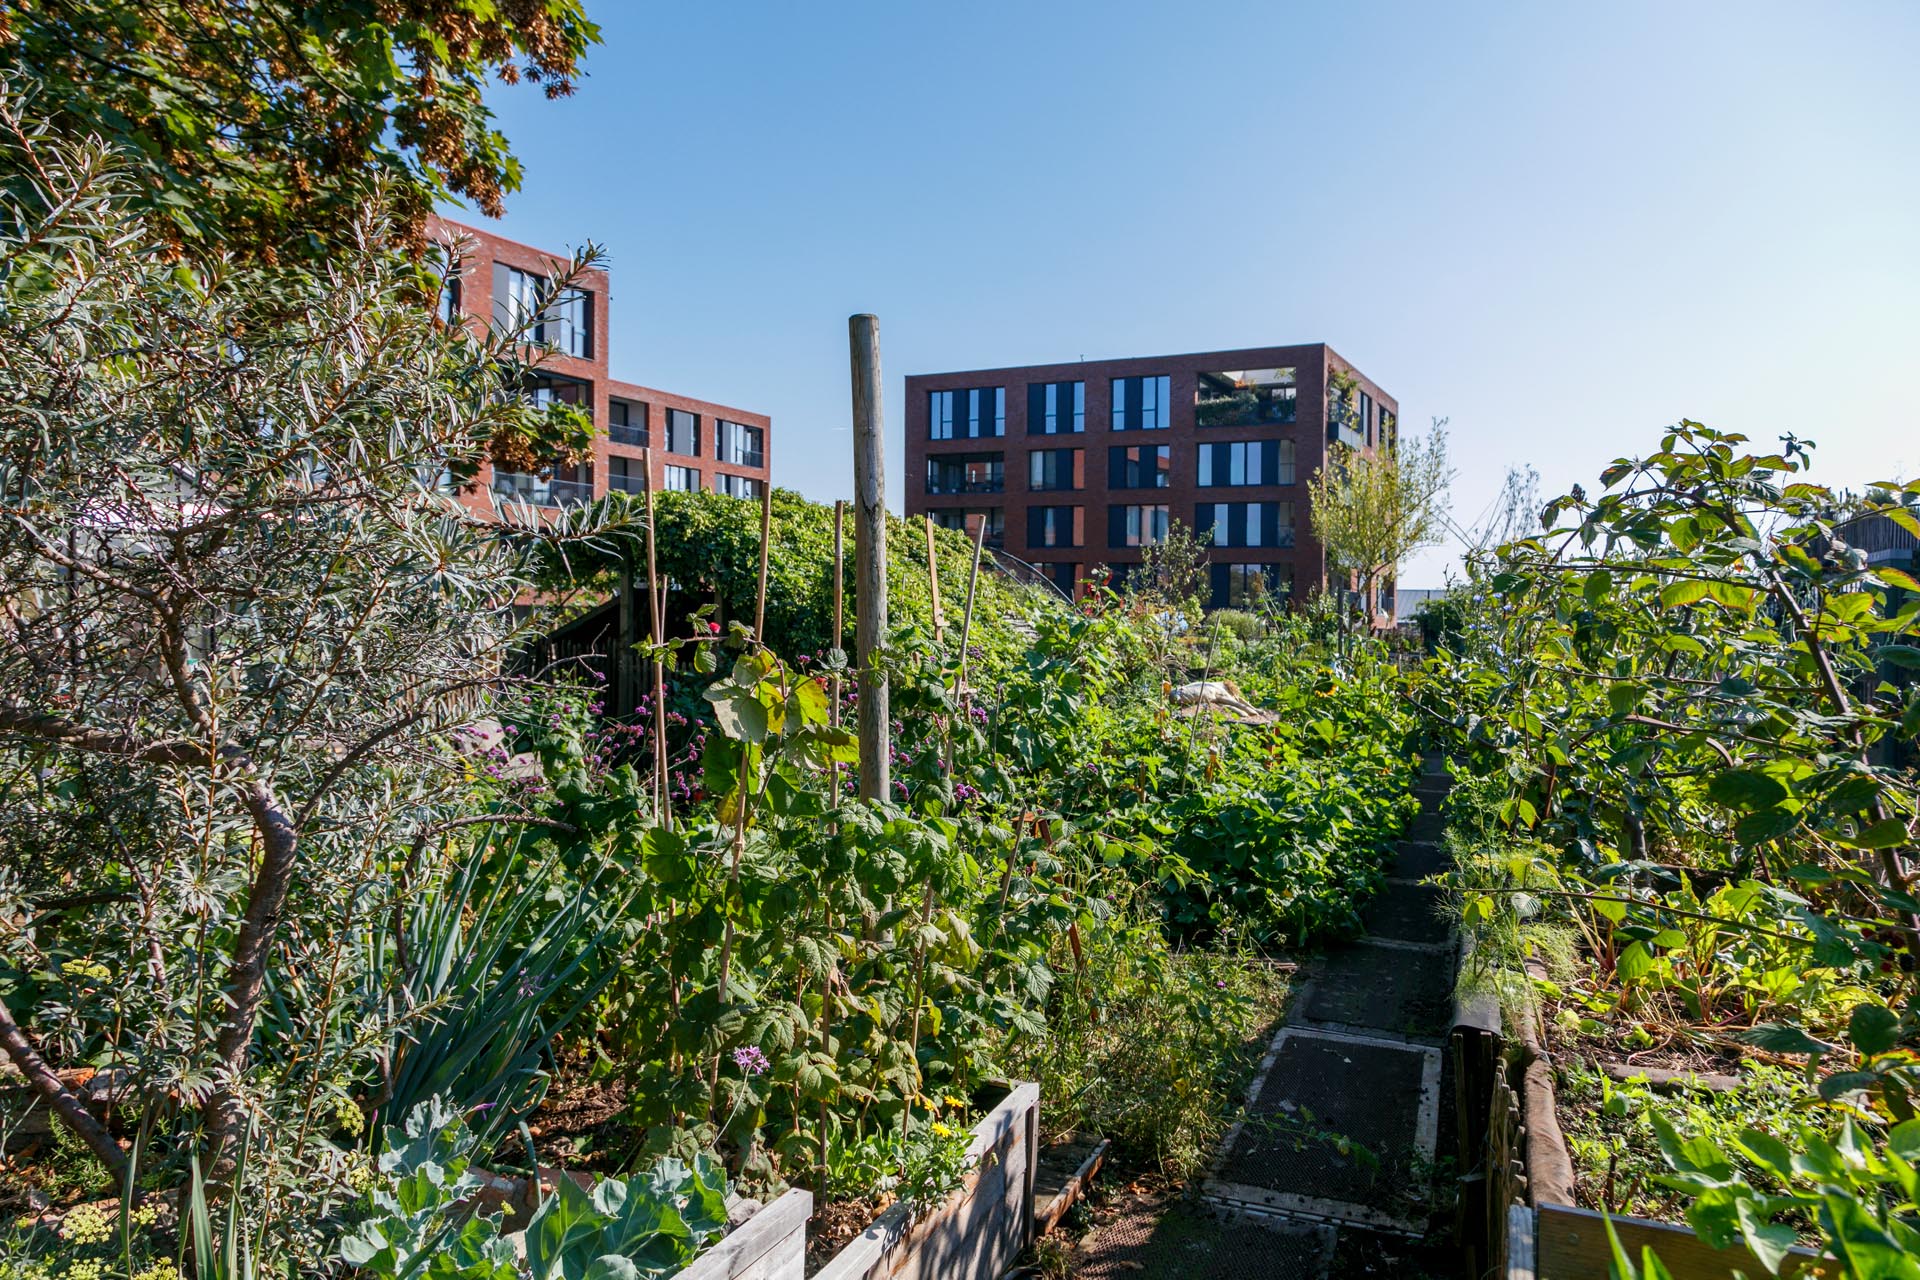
(836, 1223)
(581, 1128)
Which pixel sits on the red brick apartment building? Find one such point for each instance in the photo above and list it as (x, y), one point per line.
(1077, 465)
(697, 444)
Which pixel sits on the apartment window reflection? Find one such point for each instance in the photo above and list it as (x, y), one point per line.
(1245, 524)
(1053, 469)
(738, 444)
(1054, 526)
(681, 479)
(1141, 404)
(736, 486)
(566, 324)
(969, 414)
(966, 473)
(969, 520)
(1136, 526)
(1056, 408)
(627, 422)
(683, 433)
(1244, 462)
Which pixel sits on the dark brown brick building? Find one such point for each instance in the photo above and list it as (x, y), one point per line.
(1078, 465)
(697, 444)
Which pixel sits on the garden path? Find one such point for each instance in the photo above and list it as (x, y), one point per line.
(1333, 1169)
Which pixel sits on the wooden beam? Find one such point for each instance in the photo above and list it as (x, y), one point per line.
(870, 557)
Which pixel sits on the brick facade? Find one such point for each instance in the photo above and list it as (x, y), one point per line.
(616, 451)
(1300, 566)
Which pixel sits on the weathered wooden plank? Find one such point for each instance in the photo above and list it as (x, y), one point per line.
(1572, 1244)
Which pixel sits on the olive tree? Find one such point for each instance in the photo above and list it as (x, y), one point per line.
(242, 611)
(1373, 510)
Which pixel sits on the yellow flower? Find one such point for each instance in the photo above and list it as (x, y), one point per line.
(940, 1130)
(87, 1225)
(161, 1270)
(348, 1117)
(952, 1101)
(145, 1216)
(81, 1269)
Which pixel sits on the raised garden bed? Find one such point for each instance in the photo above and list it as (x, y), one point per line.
(982, 1227)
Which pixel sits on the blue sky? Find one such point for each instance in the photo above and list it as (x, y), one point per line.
(1559, 226)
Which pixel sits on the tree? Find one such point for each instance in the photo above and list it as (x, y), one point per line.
(263, 126)
(240, 615)
(1373, 510)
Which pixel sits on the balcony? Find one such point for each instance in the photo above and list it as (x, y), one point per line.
(622, 434)
(627, 483)
(541, 491)
(950, 484)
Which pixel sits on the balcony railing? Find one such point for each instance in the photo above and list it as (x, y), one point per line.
(621, 434)
(938, 485)
(541, 491)
(627, 483)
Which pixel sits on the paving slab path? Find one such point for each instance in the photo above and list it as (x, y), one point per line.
(1334, 1169)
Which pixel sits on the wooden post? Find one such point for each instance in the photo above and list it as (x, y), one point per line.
(933, 581)
(766, 536)
(870, 557)
(657, 606)
(623, 695)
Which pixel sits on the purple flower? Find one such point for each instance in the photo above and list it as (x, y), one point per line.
(750, 1060)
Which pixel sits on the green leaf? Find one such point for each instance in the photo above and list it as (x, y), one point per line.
(1888, 833)
(1899, 655)
(1770, 1242)
(1634, 963)
(1873, 1028)
(1893, 577)
(1745, 789)
(1782, 1037)
(1685, 591)
(1765, 824)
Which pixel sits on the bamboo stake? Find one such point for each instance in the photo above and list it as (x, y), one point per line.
(933, 581)
(833, 783)
(744, 786)
(966, 619)
(766, 536)
(657, 606)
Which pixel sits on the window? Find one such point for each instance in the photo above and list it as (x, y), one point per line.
(1245, 524)
(1063, 576)
(441, 258)
(1244, 398)
(1389, 433)
(682, 479)
(968, 414)
(968, 521)
(1054, 469)
(1054, 526)
(966, 473)
(738, 444)
(1056, 408)
(1240, 586)
(543, 389)
(1140, 404)
(566, 325)
(1366, 418)
(736, 486)
(683, 434)
(1245, 462)
(1136, 526)
(625, 474)
(1139, 466)
(627, 422)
